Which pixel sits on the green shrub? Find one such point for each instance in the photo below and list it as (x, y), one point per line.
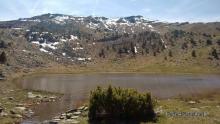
(193, 53)
(3, 58)
(121, 104)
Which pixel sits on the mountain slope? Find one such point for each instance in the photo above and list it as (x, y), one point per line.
(65, 39)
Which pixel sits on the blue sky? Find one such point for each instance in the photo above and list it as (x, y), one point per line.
(164, 10)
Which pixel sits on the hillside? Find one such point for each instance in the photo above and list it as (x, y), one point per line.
(126, 43)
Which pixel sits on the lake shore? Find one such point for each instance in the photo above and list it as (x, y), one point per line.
(9, 89)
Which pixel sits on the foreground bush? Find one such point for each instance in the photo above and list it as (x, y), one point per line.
(120, 103)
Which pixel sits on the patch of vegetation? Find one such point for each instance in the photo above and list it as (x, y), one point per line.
(178, 33)
(120, 103)
(215, 53)
(209, 42)
(3, 58)
(193, 53)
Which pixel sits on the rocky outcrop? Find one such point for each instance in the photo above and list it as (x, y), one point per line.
(69, 117)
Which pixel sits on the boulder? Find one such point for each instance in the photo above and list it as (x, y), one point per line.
(21, 109)
(192, 102)
(45, 100)
(81, 108)
(85, 109)
(62, 117)
(194, 109)
(3, 114)
(56, 119)
(39, 96)
(13, 112)
(76, 113)
(20, 105)
(17, 116)
(72, 111)
(68, 116)
(52, 97)
(17, 110)
(31, 95)
(159, 110)
(1, 109)
(28, 113)
(74, 117)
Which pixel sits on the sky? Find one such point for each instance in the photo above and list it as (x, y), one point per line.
(163, 10)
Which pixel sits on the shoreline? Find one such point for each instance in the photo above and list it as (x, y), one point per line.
(51, 70)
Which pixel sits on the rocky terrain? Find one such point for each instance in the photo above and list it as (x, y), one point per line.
(64, 39)
(102, 44)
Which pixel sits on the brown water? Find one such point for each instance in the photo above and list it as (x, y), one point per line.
(77, 87)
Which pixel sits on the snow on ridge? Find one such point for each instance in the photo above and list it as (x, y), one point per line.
(61, 18)
(150, 26)
(78, 48)
(111, 21)
(72, 37)
(44, 45)
(92, 25)
(17, 28)
(30, 20)
(64, 54)
(43, 50)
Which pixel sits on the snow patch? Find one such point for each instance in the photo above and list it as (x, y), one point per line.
(72, 37)
(150, 26)
(61, 19)
(24, 51)
(135, 49)
(92, 25)
(64, 54)
(63, 40)
(17, 28)
(81, 59)
(49, 45)
(89, 58)
(43, 50)
(78, 48)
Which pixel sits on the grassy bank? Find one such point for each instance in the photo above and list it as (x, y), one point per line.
(132, 65)
(207, 105)
(9, 89)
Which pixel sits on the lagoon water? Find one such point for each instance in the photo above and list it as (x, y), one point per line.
(76, 88)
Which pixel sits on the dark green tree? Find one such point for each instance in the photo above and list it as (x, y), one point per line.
(209, 42)
(120, 103)
(3, 58)
(215, 53)
(170, 53)
(102, 53)
(193, 53)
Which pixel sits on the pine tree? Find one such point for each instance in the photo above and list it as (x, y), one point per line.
(215, 54)
(102, 53)
(193, 53)
(170, 53)
(3, 58)
(209, 42)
